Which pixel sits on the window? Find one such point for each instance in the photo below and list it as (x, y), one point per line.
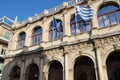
(7, 35)
(54, 34)
(78, 25)
(108, 15)
(1, 66)
(21, 41)
(37, 36)
(3, 51)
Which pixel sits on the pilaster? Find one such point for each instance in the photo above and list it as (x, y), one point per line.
(99, 65)
(66, 67)
(105, 72)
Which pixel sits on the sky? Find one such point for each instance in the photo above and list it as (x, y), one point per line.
(26, 8)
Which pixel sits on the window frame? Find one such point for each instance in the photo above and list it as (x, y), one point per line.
(82, 28)
(103, 21)
(37, 36)
(21, 40)
(52, 29)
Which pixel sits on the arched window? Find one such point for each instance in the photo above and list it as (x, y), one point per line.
(108, 15)
(78, 25)
(21, 41)
(37, 36)
(53, 33)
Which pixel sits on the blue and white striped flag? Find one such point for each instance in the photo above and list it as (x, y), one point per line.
(85, 12)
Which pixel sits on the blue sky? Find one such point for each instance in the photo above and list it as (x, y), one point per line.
(26, 8)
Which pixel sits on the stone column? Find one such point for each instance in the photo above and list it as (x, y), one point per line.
(63, 74)
(95, 19)
(45, 76)
(96, 74)
(66, 67)
(45, 30)
(22, 74)
(28, 38)
(41, 69)
(71, 74)
(105, 72)
(66, 28)
(99, 65)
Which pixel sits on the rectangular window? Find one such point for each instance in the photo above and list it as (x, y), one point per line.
(88, 26)
(118, 15)
(3, 51)
(73, 28)
(100, 19)
(7, 35)
(112, 19)
(106, 20)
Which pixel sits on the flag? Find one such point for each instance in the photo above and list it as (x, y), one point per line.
(85, 12)
(56, 24)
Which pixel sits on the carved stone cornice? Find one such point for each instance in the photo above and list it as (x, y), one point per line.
(111, 40)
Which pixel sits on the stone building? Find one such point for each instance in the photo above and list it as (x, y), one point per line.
(5, 29)
(86, 51)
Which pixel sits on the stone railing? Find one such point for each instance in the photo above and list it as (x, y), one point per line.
(51, 11)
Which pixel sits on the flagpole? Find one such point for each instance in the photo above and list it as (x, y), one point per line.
(53, 36)
(75, 15)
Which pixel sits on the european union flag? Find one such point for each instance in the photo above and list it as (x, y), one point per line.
(56, 24)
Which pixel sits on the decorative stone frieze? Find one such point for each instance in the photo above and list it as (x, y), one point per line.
(107, 41)
(78, 47)
(54, 51)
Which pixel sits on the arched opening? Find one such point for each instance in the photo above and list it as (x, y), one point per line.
(32, 72)
(113, 65)
(53, 32)
(78, 25)
(109, 14)
(55, 71)
(37, 36)
(21, 40)
(15, 73)
(84, 69)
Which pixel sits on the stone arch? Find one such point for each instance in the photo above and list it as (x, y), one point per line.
(53, 31)
(50, 24)
(108, 1)
(15, 73)
(103, 10)
(32, 72)
(18, 33)
(28, 62)
(55, 70)
(12, 65)
(46, 67)
(84, 68)
(107, 54)
(78, 55)
(113, 65)
(34, 27)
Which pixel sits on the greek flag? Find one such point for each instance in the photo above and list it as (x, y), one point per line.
(85, 12)
(56, 24)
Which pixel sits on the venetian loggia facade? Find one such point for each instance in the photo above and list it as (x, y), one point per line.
(79, 51)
